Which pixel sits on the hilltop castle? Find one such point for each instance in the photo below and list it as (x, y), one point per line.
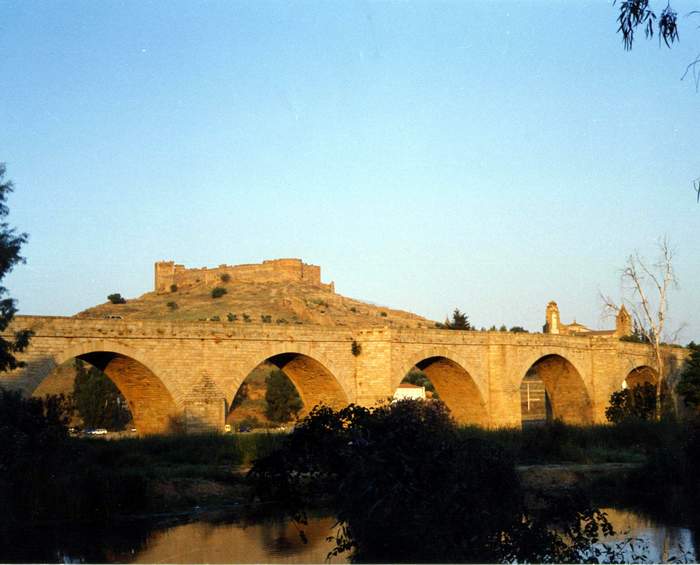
(167, 274)
(553, 324)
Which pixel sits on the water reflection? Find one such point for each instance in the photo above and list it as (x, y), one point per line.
(272, 541)
(659, 543)
(223, 538)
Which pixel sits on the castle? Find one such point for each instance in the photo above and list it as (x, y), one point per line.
(168, 273)
(553, 324)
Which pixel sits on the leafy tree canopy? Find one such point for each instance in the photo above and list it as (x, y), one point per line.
(636, 403)
(283, 401)
(689, 384)
(459, 321)
(97, 400)
(10, 245)
(407, 486)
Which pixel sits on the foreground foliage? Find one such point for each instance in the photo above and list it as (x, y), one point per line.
(635, 403)
(97, 399)
(689, 384)
(408, 486)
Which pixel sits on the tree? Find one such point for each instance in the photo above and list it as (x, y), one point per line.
(283, 401)
(636, 403)
(218, 292)
(460, 321)
(116, 298)
(647, 289)
(407, 486)
(97, 400)
(638, 13)
(10, 244)
(689, 384)
(419, 378)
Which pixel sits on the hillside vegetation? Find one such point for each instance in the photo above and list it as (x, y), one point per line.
(246, 302)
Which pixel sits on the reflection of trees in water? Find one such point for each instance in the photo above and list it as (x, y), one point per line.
(69, 542)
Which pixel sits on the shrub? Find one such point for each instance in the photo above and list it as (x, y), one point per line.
(407, 487)
(116, 298)
(356, 348)
(172, 305)
(173, 288)
(231, 317)
(281, 321)
(636, 403)
(383, 314)
(353, 309)
(215, 319)
(518, 330)
(246, 317)
(266, 318)
(225, 277)
(218, 292)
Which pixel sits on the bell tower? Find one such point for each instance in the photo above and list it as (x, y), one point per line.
(552, 323)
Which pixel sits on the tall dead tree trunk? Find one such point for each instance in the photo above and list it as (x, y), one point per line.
(647, 287)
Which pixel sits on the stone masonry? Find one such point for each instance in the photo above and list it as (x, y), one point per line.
(184, 375)
(168, 273)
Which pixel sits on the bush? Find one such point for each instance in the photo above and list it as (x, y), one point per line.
(266, 318)
(225, 277)
(407, 487)
(116, 298)
(172, 305)
(215, 319)
(173, 288)
(636, 403)
(356, 348)
(246, 318)
(218, 292)
(383, 314)
(231, 317)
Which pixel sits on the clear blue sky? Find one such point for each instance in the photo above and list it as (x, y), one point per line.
(489, 155)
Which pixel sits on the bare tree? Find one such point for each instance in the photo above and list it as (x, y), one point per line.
(645, 290)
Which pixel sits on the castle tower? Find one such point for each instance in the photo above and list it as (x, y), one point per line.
(623, 322)
(164, 275)
(552, 322)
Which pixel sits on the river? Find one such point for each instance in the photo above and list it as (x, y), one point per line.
(219, 537)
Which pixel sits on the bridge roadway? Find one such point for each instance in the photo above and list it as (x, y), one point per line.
(185, 374)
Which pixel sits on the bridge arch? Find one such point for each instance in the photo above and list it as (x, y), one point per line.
(313, 375)
(454, 383)
(565, 388)
(640, 375)
(151, 403)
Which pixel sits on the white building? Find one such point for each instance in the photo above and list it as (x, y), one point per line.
(407, 390)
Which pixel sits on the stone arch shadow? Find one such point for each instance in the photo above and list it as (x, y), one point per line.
(454, 383)
(313, 375)
(151, 403)
(568, 396)
(639, 375)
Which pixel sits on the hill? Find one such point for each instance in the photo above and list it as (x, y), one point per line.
(283, 302)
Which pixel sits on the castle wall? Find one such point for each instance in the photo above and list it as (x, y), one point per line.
(168, 273)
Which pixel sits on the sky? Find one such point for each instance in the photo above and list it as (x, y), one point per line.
(490, 156)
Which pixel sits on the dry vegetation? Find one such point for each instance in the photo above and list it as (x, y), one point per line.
(274, 303)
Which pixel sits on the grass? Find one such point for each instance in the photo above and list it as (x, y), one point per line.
(630, 442)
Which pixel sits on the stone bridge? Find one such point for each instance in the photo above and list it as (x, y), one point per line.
(185, 374)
